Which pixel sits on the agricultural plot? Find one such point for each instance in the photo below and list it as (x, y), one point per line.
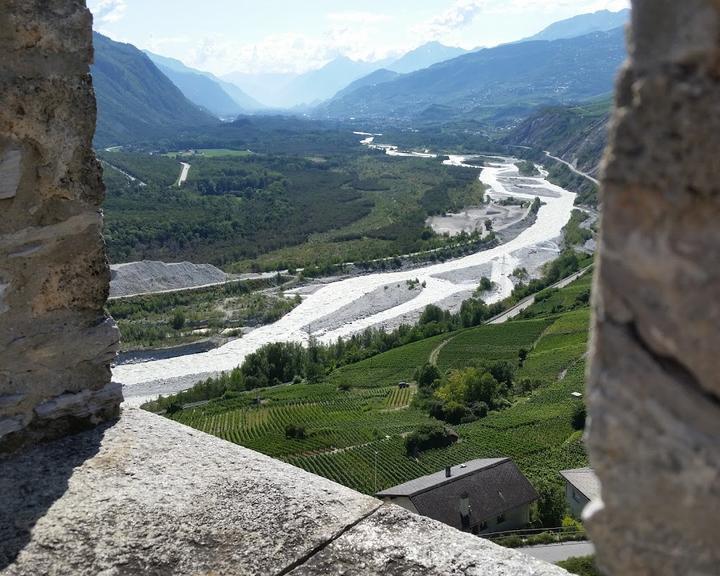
(356, 420)
(387, 369)
(491, 342)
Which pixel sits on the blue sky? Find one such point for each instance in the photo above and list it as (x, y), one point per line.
(224, 36)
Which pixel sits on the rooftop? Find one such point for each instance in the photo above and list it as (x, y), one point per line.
(493, 486)
(583, 480)
(431, 481)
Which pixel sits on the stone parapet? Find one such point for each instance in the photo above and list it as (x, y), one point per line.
(150, 496)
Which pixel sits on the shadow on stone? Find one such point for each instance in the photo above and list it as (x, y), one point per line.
(33, 480)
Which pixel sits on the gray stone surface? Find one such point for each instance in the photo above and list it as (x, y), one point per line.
(654, 396)
(55, 340)
(394, 542)
(10, 164)
(147, 495)
(150, 496)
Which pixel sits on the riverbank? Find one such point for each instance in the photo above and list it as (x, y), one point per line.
(324, 313)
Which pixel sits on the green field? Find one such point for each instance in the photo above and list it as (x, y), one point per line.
(350, 429)
(210, 153)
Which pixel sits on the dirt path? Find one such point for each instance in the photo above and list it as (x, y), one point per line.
(436, 352)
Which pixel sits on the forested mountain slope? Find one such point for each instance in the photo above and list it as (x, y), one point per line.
(507, 80)
(135, 99)
(577, 134)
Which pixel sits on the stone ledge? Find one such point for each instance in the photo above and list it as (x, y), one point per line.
(148, 495)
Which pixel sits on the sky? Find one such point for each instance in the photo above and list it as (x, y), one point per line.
(294, 36)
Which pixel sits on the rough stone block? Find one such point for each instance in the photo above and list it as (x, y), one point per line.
(654, 389)
(10, 171)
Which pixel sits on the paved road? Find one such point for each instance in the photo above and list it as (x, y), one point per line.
(578, 172)
(557, 552)
(184, 173)
(530, 300)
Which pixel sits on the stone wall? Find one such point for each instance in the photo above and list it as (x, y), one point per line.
(55, 341)
(655, 385)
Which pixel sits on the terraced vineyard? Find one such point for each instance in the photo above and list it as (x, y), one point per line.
(355, 435)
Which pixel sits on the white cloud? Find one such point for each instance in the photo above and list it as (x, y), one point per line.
(358, 17)
(107, 11)
(460, 14)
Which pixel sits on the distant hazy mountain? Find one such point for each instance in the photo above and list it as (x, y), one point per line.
(136, 101)
(507, 81)
(372, 79)
(601, 21)
(424, 57)
(318, 85)
(204, 89)
(268, 89)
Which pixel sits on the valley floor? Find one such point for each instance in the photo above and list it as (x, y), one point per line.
(328, 313)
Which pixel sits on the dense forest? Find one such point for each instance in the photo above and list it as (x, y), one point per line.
(275, 211)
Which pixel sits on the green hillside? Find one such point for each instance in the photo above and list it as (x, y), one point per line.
(359, 415)
(136, 101)
(502, 83)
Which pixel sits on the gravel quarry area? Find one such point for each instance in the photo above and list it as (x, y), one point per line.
(350, 305)
(135, 278)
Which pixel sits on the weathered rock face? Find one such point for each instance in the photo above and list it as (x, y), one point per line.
(655, 386)
(55, 341)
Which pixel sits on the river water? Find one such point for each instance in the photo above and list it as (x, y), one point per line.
(334, 300)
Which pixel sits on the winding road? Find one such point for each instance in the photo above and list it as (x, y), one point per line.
(578, 172)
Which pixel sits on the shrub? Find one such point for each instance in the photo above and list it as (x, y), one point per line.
(295, 431)
(178, 320)
(583, 566)
(429, 436)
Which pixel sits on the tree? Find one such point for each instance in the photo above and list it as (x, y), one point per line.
(578, 417)
(431, 313)
(550, 505)
(522, 356)
(427, 375)
(178, 320)
(481, 387)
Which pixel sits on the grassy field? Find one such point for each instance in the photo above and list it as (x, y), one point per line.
(356, 420)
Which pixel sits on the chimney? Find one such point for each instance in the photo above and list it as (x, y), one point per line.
(448, 471)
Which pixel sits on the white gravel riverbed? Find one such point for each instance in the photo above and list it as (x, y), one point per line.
(332, 311)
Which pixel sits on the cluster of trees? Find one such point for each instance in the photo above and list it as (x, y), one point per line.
(462, 396)
(429, 436)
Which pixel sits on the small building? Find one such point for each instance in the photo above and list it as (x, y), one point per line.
(481, 496)
(581, 486)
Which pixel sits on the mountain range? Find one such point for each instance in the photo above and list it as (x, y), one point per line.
(220, 98)
(315, 86)
(602, 21)
(502, 82)
(143, 96)
(135, 100)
